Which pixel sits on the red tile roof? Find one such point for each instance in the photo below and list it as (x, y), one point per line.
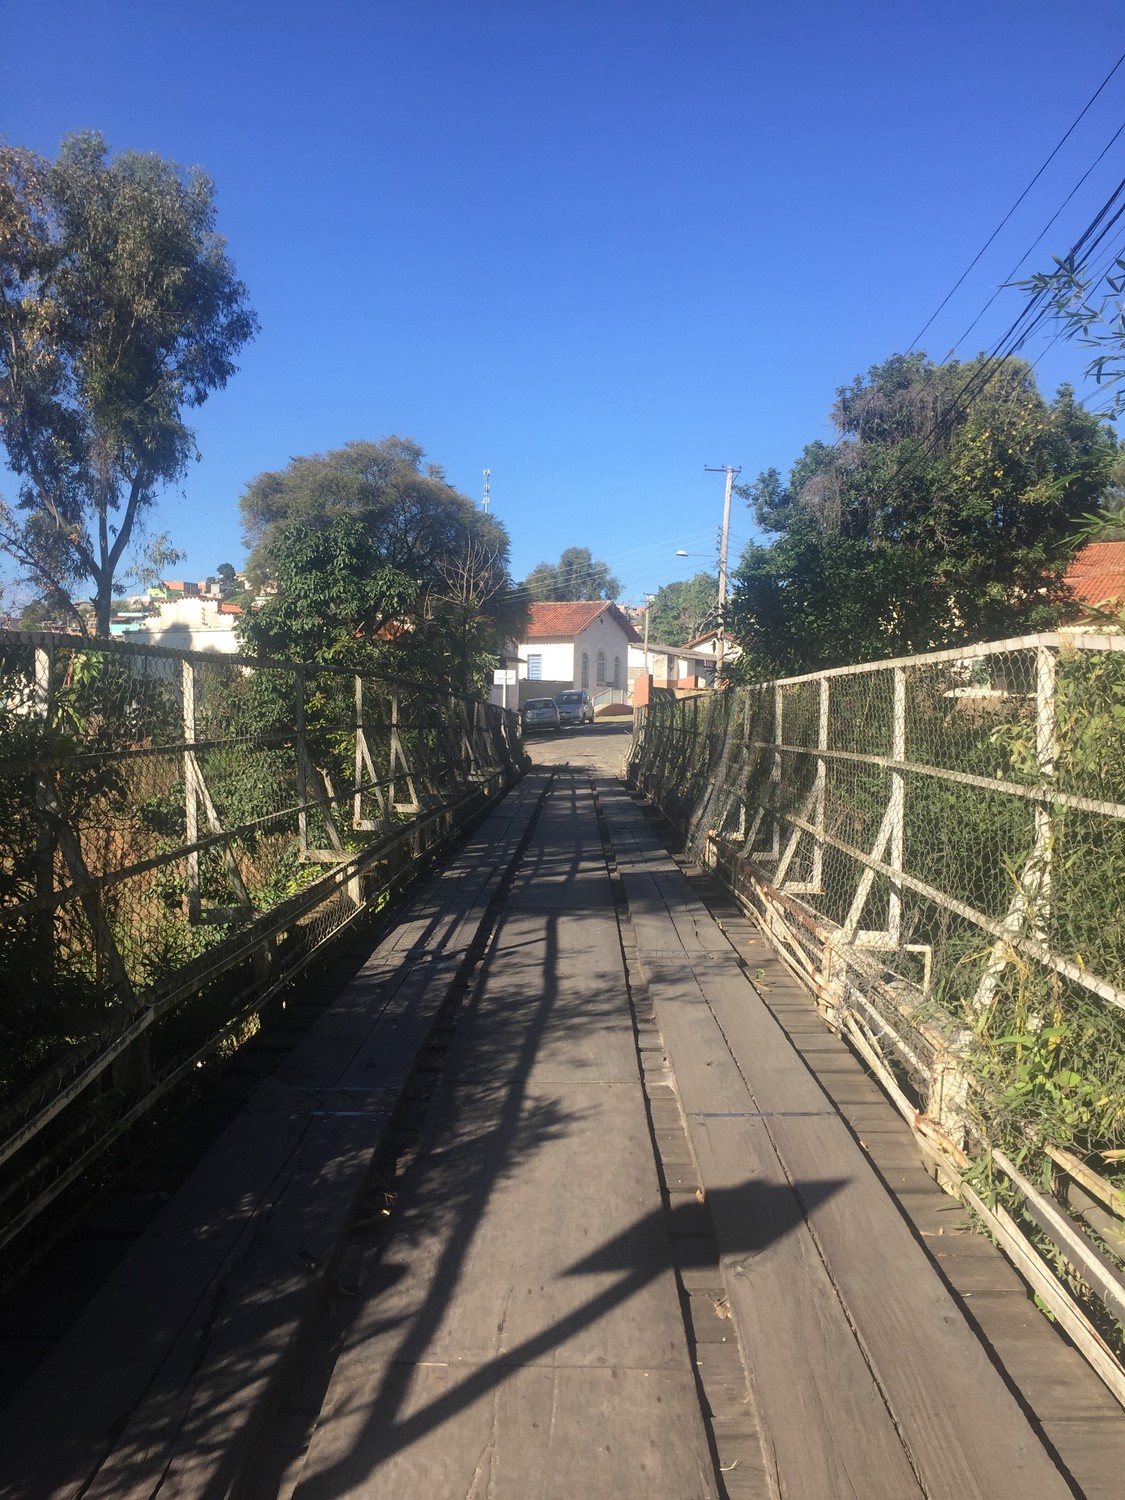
(1097, 574)
(563, 621)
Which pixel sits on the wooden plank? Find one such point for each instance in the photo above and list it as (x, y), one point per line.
(826, 1425)
(520, 1432)
(530, 1240)
(924, 1355)
(190, 1433)
(142, 1332)
(921, 1349)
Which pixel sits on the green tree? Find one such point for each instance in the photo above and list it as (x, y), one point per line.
(42, 614)
(1087, 315)
(1108, 523)
(575, 576)
(119, 308)
(378, 559)
(335, 597)
(938, 518)
(681, 611)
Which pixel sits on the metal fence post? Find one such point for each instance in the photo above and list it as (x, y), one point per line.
(191, 791)
(1046, 754)
(302, 750)
(897, 848)
(775, 770)
(1031, 905)
(44, 833)
(823, 708)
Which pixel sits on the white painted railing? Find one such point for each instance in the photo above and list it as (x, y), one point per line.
(936, 845)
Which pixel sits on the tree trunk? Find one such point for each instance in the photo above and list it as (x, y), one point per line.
(103, 605)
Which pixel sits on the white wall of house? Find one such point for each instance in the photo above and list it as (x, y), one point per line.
(547, 661)
(561, 661)
(188, 625)
(548, 666)
(669, 663)
(604, 636)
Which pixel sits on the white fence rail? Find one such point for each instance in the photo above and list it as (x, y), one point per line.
(937, 846)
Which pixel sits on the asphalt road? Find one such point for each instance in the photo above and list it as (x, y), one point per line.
(600, 747)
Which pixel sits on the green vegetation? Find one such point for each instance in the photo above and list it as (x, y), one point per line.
(575, 576)
(118, 308)
(1091, 318)
(946, 512)
(379, 564)
(680, 612)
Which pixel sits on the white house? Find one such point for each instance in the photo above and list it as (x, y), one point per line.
(190, 624)
(686, 667)
(577, 644)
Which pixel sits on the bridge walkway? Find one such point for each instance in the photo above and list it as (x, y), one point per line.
(440, 1256)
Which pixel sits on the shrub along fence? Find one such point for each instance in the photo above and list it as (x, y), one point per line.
(180, 834)
(936, 845)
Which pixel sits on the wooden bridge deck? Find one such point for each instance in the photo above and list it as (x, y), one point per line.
(554, 1201)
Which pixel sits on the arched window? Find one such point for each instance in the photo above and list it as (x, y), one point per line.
(617, 671)
(600, 677)
(586, 669)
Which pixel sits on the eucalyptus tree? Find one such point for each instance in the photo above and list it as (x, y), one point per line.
(576, 575)
(119, 310)
(683, 610)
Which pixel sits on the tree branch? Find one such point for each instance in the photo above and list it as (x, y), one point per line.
(12, 543)
(136, 490)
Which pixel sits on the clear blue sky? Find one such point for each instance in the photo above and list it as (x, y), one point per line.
(591, 245)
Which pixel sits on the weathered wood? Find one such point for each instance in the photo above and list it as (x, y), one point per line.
(167, 1369)
(522, 1335)
(826, 1426)
(925, 1358)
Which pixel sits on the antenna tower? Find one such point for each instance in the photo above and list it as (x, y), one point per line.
(487, 477)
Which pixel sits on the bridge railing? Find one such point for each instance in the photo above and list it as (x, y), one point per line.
(937, 847)
(180, 834)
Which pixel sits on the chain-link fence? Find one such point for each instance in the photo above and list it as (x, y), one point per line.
(179, 834)
(937, 847)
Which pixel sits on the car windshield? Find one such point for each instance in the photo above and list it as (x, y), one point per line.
(540, 703)
(569, 698)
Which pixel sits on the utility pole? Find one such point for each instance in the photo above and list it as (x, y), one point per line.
(487, 478)
(720, 644)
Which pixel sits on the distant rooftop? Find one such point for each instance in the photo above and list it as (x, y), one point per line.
(1097, 574)
(551, 621)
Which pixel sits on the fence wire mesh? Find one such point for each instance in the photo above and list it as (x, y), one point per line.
(937, 845)
(179, 833)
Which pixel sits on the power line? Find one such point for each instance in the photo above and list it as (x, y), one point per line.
(1037, 310)
(650, 552)
(1007, 279)
(1017, 203)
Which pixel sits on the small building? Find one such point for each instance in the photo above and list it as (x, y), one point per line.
(189, 624)
(685, 668)
(582, 643)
